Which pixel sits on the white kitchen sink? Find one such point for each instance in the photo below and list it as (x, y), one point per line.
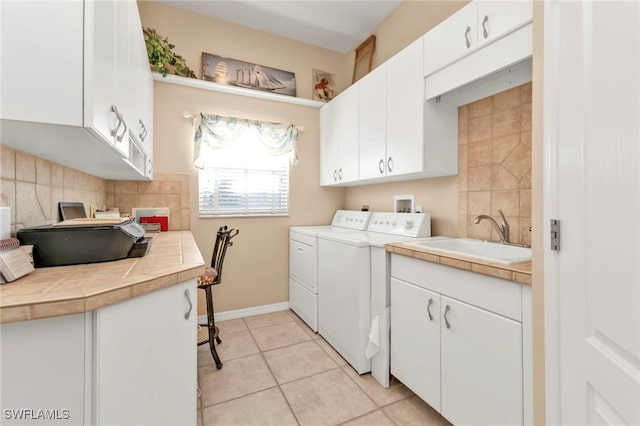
(476, 249)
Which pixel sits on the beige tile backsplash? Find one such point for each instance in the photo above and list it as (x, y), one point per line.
(32, 187)
(494, 137)
(166, 190)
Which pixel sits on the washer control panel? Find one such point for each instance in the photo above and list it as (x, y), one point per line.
(352, 219)
(417, 225)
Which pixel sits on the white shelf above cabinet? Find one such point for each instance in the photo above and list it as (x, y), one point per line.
(216, 87)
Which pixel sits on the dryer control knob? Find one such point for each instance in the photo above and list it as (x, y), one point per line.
(409, 224)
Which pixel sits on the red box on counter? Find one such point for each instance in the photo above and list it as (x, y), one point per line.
(162, 220)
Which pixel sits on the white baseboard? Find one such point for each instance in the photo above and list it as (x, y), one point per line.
(246, 312)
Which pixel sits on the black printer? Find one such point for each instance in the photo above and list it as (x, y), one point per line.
(84, 240)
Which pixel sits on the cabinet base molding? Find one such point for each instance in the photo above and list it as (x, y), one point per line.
(247, 312)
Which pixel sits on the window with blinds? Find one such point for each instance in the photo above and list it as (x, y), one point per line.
(242, 180)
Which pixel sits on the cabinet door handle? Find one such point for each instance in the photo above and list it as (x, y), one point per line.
(429, 309)
(143, 133)
(466, 37)
(390, 164)
(381, 166)
(335, 175)
(187, 294)
(114, 109)
(446, 311)
(485, 30)
(124, 132)
(340, 174)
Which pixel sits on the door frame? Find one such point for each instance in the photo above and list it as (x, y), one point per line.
(550, 198)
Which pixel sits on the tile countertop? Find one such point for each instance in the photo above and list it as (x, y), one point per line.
(64, 290)
(518, 272)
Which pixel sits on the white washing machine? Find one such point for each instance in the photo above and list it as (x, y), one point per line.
(303, 261)
(354, 301)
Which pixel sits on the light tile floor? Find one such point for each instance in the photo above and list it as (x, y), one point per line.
(277, 371)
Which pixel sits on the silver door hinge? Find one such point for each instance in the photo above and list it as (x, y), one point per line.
(555, 234)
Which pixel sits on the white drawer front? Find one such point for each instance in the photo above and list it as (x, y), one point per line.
(303, 264)
(303, 303)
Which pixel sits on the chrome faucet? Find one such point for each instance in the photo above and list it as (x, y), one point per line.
(503, 229)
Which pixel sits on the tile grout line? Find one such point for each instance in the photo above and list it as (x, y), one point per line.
(342, 368)
(275, 379)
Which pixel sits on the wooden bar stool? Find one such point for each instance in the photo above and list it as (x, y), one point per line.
(211, 277)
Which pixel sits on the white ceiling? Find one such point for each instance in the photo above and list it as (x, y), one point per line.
(335, 25)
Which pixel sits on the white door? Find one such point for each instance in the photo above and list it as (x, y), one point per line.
(481, 366)
(145, 359)
(329, 143)
(372, 121)
(415, 343)
(451, 40)
(405, 99)
(348, 135)
(498, 18)
(592, 185)
(100, 70)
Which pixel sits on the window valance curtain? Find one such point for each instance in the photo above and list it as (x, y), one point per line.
(216, 131)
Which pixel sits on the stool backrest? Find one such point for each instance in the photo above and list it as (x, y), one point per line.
(223, 241)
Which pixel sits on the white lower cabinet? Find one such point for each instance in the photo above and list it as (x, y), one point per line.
(130, 363)
(460, 355)
(145, 359)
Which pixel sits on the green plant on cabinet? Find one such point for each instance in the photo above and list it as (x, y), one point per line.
(161, 55)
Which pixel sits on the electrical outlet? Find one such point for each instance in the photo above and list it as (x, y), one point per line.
(5, 222)
(418, 209)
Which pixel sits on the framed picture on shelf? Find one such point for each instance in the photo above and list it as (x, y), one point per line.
(250, 76)
(324, 85)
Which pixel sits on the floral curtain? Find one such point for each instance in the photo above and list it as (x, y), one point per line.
(216, 131)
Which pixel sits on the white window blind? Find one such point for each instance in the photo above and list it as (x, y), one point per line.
(241, 179)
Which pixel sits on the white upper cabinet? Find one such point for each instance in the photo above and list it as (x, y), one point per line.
(494, 56)
(385, 130)
(373, 124)
(405, 99)
(475, 25)
(339, 139)
(76, 84)
(498, 18)
(452, 39)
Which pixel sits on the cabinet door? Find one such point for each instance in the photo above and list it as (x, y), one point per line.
(348, 135)
(142, 92)
(372, 123)
(329, 143)
(415, 340)
(41, 76)
(498, 18)
(145, 359)
(481, 366)
(100, 69)
(405, 98)
(43, 367)
(452, 39)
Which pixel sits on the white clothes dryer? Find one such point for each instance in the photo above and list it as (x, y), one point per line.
(303, 261)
